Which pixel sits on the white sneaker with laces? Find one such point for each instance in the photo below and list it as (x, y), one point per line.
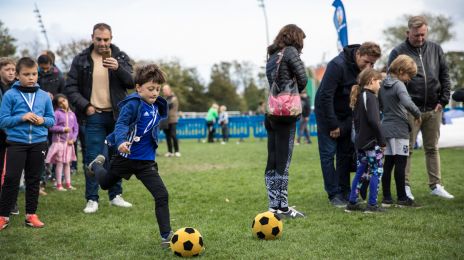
(91, 207)
(168, 155)
(441, 192)
(120, 202)
(409, 192)
(177, 154)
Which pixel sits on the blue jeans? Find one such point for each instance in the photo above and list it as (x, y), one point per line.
(336, 180)
(97, 127)
(371, 159)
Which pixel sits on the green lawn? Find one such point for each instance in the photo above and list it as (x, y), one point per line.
(218, 189)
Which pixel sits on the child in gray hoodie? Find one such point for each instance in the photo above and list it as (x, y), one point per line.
(396, 104)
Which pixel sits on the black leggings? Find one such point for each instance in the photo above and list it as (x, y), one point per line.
(147, 173)
(399, 162)
(280, 138)
(171, 137)
(19, 156)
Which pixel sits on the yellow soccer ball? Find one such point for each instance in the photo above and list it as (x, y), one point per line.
(267, 226)
(187, 242)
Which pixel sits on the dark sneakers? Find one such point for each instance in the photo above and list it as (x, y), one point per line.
(387, 202)
(353, 207)
(374, 209)
(165, 242)
(290, 213)
(15, 210)
(407, 203)
(338, 203)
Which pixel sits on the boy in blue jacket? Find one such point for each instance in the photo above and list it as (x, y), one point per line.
(136, 137)
(25, 114)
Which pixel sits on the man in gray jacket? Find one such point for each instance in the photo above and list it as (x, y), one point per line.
(430, 91)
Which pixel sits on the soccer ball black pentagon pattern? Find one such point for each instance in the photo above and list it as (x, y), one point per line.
(267, 226)
(187, 242)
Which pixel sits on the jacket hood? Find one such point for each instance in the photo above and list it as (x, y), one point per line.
(17, 84)
(389, 81)
(160, 101)
(349, 53)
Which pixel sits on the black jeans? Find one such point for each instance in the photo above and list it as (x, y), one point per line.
(171, 137)
(147, 173)
(29, 157)
(280, 138)
(211, 131)
(225, 132)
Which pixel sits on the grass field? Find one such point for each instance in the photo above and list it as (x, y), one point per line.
(218, 189)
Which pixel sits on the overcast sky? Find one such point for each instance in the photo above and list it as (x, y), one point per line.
(203, 32)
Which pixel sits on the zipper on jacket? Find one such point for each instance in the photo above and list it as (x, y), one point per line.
(30, 133)
(425, 80)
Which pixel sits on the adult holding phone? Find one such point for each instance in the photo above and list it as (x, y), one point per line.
(97, 81)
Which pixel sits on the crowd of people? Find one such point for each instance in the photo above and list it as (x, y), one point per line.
(43, 115)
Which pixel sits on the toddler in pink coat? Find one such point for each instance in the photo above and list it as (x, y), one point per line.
(64, 135)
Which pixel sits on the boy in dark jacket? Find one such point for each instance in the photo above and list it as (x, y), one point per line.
(25, 114)
(136, 139)
(50, 78)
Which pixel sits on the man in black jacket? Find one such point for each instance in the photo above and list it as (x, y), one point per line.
(95, 86)
(334, 117)
(430, 91)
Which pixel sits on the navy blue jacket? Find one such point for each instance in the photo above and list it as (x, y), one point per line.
(332, 102)
(130, 115)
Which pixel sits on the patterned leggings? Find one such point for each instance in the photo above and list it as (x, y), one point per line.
(371, 159)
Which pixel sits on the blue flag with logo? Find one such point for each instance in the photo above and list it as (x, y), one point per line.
(340, 23)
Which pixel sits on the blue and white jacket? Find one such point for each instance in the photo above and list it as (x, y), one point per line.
(129, 115)
(13, 108)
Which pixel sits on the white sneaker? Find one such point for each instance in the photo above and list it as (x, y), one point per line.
(91, 207)
(168, 155)
(409, 192)
(441, 192)
(120, 202)
(177, 154)
(223, 142)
